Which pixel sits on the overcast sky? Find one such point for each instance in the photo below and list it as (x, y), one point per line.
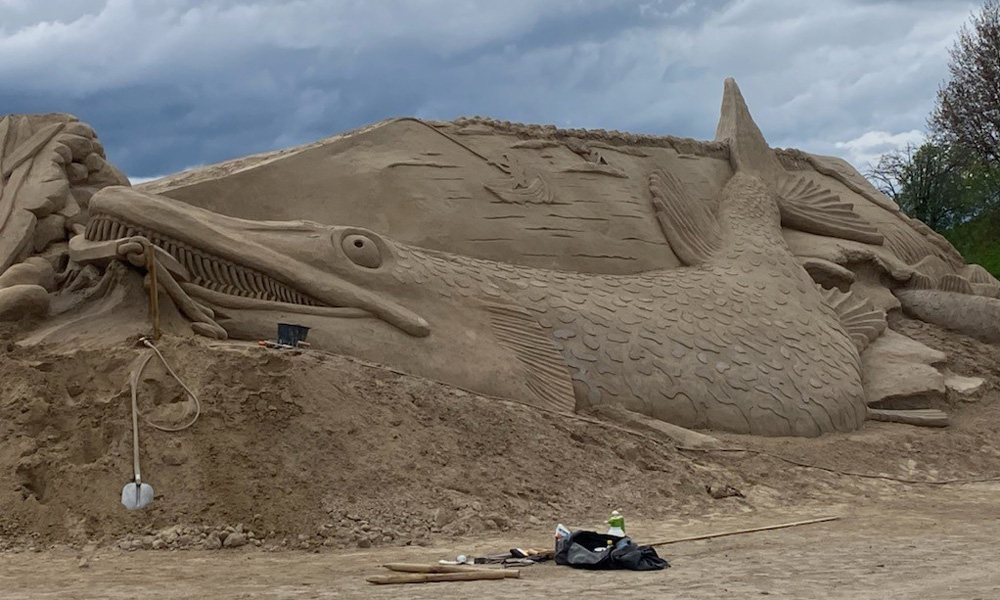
(170, 84)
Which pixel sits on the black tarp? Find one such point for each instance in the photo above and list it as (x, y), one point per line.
(592, 550)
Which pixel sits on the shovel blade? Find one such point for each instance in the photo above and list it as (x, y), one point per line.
(135, 497)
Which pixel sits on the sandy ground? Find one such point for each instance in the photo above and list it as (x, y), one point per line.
(926, 543)
(353, 466)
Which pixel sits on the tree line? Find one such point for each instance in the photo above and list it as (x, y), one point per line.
(953, 179)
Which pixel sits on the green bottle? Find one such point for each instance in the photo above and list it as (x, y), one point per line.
(617, 523)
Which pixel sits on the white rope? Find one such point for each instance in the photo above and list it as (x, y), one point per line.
(134, 385)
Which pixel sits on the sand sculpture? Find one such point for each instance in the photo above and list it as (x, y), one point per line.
(50, 166)
(717, 285)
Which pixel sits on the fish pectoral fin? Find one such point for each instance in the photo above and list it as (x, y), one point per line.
(807, 206)
(689, 225)
(858, 315)
(547, 374)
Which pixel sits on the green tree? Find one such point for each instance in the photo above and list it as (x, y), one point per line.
(939, 184)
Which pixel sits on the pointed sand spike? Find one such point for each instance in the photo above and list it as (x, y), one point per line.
(748, 150)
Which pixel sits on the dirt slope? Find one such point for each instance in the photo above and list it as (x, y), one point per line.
(313, 449)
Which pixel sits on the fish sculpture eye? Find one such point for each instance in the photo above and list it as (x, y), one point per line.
(362, 250)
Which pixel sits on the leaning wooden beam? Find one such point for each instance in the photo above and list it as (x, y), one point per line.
(472, 575)
(742, 531)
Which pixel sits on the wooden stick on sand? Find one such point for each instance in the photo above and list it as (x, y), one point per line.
(470, 575)
(419, 568)
(741, 531)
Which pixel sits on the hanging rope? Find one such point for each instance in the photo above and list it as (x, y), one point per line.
(136, 374)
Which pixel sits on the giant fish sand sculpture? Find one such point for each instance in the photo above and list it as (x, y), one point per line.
(684, 299)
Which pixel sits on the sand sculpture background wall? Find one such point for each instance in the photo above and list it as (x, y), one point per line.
(716, 284)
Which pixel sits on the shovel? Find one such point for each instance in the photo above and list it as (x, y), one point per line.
(136, 495)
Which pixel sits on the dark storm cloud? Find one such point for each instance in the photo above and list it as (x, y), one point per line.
(169, 84)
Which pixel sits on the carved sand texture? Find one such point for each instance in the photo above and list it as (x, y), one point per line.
(482, 198)
(605, 138)
(50, 166)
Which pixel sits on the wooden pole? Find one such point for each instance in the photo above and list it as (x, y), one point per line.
(471, 575)
(417, 568)
(154, 301)
(742, 531)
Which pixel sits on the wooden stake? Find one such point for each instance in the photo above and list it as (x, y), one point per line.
(742, 531)
(471, 575)
(154, 301)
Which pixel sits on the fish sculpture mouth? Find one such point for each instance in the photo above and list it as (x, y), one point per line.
(228, 265)
(218, 280)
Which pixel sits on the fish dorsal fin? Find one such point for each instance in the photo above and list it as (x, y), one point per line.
(547, 375)
(807, 206)
(748, 150)
(804, 204)
(689, 225)
(858, 315)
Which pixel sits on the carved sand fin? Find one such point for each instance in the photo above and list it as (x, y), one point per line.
(977, 274)
(858, 315)
(547, 374)
(748, 150)
(955, 283)
(807, 206)
(920, 281)
(689, 226)
(827, 274)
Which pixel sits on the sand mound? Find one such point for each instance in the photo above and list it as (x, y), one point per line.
(318, 449)
(289, 442)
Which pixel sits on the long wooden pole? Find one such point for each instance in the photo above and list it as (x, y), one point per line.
(154, 300)
(472, 575)
(742, 531)
(419, 568)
